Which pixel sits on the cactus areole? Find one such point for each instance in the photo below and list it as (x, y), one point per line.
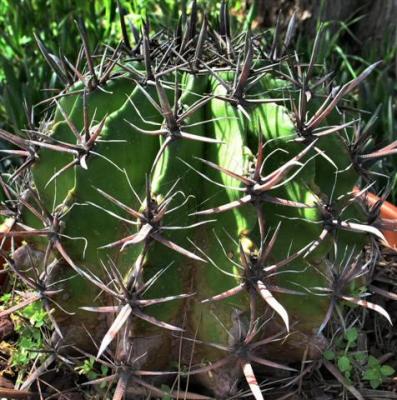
(190, 206)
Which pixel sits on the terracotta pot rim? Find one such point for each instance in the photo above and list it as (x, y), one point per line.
(387, 211)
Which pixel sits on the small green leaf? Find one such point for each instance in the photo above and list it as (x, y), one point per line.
(351, 335)
(344, 364)
(36, 335)
(360, 357)
(329, 355)
(371, 374)
(5, 298)
(104, 370)
(375, 383)
(91, 375)
(166, 389)
(387, 370)
(373, 362)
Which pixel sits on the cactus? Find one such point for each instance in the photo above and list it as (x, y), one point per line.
(192, 202)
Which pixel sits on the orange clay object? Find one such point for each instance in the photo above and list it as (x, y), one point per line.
(387, 211)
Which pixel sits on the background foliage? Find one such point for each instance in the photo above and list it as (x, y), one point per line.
(25, 77)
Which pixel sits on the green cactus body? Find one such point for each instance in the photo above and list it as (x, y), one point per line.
(76, 188)
(219, 322)
(167, 180)
(154, 211)
(237, 223)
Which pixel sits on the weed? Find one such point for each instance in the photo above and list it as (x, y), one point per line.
(353, 363)
(29, 324)
(376, 373)
(90, 370)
